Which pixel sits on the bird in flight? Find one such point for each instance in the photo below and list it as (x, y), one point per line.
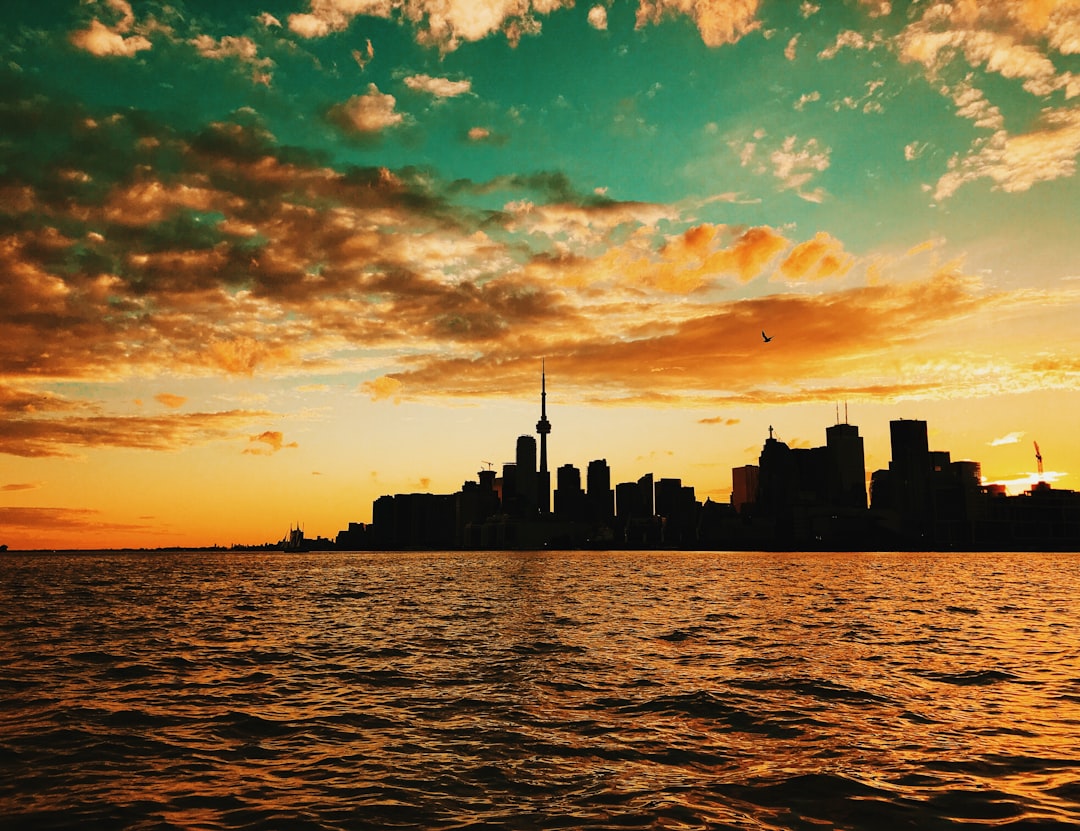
(765, 337)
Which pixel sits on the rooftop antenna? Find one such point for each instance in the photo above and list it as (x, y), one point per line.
(837, 412)
(845, 414)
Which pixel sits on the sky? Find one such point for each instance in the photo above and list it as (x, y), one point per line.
(264, 261)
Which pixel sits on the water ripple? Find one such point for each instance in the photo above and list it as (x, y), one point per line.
(539, 691)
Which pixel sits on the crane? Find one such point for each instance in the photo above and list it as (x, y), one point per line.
(488, 465)
(1038, 460)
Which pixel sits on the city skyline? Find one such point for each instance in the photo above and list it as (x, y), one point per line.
(262, 264)
(802, 498)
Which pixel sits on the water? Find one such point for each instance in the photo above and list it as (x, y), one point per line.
(535, 691)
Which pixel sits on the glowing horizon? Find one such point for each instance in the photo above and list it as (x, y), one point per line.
(263, 265)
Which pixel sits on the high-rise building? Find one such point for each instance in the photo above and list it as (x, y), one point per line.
(543, 427)
(847, 485)
(601, 497)
(526, 475)
(910, 471)
(744, 485)
(569, 498)
(647, 496)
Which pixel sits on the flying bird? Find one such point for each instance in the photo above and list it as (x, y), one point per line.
(765, 337)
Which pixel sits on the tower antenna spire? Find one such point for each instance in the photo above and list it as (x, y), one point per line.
(543, 427)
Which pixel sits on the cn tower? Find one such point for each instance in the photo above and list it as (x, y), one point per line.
(543, 427)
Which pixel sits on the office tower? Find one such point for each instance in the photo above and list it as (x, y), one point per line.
(569, 498)
(526, 475)
(646, 495)
(543, 427)
(601, 497)
(744, 485)
(627, 501)
(847, 474)
(910, 471)
(777, 478)
(509, 489)
(668, 496)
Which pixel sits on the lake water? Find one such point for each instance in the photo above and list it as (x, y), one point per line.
(539, 690)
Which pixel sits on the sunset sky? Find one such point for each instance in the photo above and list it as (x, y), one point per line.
(264, 261)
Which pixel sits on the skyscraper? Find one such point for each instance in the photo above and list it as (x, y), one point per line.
(543, 427)
(847, 474)
(526, 476)
(600, 495)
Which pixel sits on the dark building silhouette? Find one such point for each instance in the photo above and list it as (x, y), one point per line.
(847, 485)
(508, 490)
(813, 496)
(569, 497)
(600, 496)
(677, 507)
(526, 481)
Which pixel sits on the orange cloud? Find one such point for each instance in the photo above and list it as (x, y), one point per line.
(169, 400)
(820, 339)
(61, 435)
(274, 441)
(36, 527)
(817, 259)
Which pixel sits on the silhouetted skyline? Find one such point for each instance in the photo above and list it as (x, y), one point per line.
(793, 498)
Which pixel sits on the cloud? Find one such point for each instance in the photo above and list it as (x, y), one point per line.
(789, 50)
(24, 486)
(111, 41)
(720, 22)
(1016, 163)
(446, 24)
(219, 251)
(1010, 438)
(47, 435)
(100, 40)
(727, 422)
(45, 521)
(363, 58)
(442, 23)
(369, 113)
(274, 441)
(849, 39)
(849, 341)
(169, 400)
(242, 49)
(913, 150)
(795, 166)
(817, 259)
(1012, 40)
(383, 388)
(439, 87)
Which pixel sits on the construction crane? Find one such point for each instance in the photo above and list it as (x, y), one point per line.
(488, 465)
(1038, 460)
